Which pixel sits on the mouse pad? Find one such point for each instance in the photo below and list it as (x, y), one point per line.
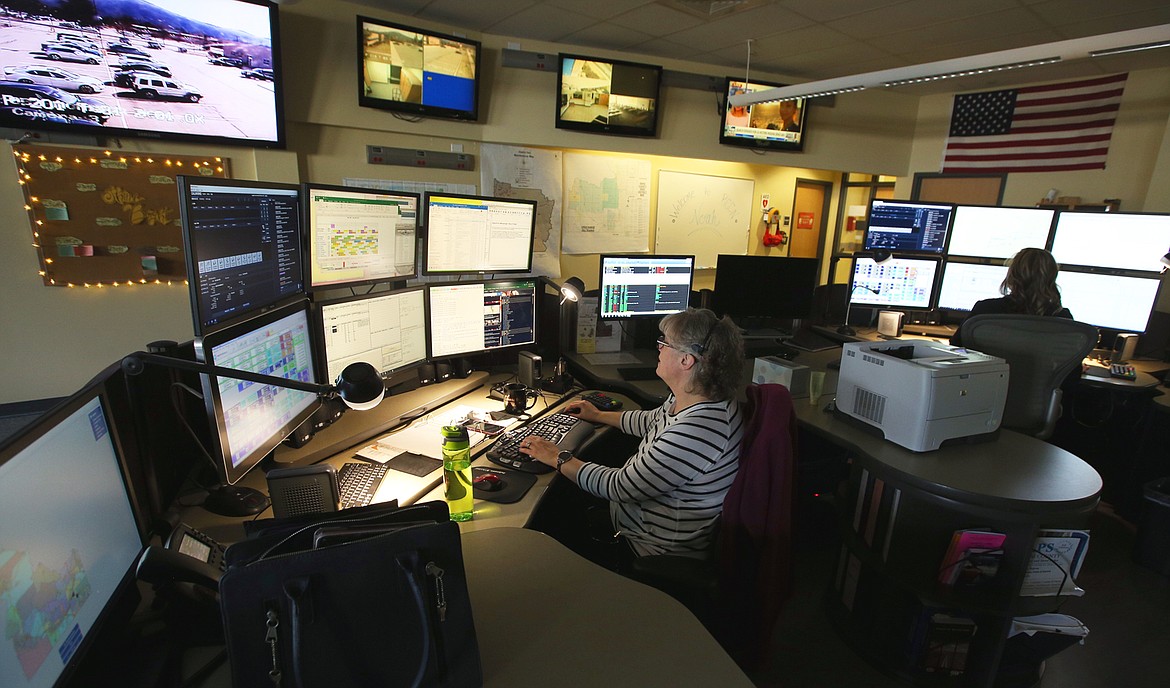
(414, 464)
(513, 484)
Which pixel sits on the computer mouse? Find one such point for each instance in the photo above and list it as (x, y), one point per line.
(573, 411)
(488, 482)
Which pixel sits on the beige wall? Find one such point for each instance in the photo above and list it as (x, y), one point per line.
(54, 339)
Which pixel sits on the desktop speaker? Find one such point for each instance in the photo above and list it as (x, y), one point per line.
(442, 371)
(426, 373)
(461, 368)
(1124, 347)
(529, 369)
(890, 323)
(303, 490)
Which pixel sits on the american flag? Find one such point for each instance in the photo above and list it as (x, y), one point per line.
(1048, 128)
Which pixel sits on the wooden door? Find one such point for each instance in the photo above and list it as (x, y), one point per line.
(809, 214)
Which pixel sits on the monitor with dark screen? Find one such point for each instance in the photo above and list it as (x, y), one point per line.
(1122, 241)
(996, 232)
(908, 226)
(965, 283)
(607, 96)
(644, 285)
(473, 317)
(243, 245)
(359, 236)
(69, 542)
(764, 287)
(478, 234)
(388, 330)
(1115, 302)
(250, 419)
(899, 282)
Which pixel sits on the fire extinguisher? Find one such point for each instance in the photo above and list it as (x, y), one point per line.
(777, 238)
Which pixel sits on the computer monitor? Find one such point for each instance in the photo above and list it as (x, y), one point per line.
(69, 542)
(243, 245)
(764, 287)
(996, 232)
(605, 96)
(908, 226)
(777, 125)
(388, 330)
(359, 236)
(474, 317)
(1114, 302)
(478, 234)
(900, 282)
(965, 283)
(250, 419)
(644, 285)
(1122, 241)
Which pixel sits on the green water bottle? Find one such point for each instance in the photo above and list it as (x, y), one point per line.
(457, 473)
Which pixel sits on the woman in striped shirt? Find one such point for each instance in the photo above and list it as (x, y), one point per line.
(667, 497)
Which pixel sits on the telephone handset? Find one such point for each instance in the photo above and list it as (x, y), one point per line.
(189, 556)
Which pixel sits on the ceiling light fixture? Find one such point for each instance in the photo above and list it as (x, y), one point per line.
(1017, 58)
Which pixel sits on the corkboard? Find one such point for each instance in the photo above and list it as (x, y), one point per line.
(102, 217)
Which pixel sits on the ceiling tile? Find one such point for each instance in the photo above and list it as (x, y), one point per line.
(737, 28)
(918, 15)
(475, 16)
(828, 10)
(399, 6)
(656, 19)
(662, 47)
(541, 21)
(606, 35)
(947, 34)
(598, 9)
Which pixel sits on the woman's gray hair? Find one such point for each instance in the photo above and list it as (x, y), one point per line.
(717, 345)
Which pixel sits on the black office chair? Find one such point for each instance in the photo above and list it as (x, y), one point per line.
(739, 591)
(1041, 352)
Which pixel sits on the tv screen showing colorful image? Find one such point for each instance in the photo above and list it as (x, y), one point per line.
(167, 69)
(777, 125)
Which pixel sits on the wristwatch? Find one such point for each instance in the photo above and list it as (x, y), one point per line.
(563, 456)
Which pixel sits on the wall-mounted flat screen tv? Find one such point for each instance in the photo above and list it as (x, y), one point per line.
(417, 72)
(607, 96)
(781, 125)
(164, 69)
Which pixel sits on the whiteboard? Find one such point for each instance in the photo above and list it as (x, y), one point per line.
(703, 215)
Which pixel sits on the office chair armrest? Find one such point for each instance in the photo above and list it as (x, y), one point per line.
(674, 569)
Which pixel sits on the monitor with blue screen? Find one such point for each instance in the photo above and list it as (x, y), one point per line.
(69, 542)
(908, 226)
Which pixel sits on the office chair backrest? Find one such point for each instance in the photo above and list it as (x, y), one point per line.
(1040, 352)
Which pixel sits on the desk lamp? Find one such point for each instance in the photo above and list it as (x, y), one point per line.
(572, 290)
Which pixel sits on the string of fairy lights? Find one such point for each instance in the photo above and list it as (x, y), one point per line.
(25, 160)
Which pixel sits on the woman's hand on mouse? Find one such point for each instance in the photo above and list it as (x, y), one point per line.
(583, 410)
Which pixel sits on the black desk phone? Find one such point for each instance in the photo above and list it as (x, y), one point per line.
(186, 540)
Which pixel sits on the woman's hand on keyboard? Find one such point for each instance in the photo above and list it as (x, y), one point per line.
(540, 449)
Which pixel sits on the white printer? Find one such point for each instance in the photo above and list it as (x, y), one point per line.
(920, 393)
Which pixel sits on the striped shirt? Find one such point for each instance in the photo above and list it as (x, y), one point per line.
(668, 496)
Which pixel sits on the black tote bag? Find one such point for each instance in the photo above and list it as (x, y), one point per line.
(357, 604)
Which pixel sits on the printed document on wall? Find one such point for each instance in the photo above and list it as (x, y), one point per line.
(532, 174)
(607, 204)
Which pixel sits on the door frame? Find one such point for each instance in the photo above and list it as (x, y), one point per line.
(827, 187)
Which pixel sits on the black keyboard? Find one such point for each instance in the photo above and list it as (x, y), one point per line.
(565, 431)
(358, 481)
(811, 341)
